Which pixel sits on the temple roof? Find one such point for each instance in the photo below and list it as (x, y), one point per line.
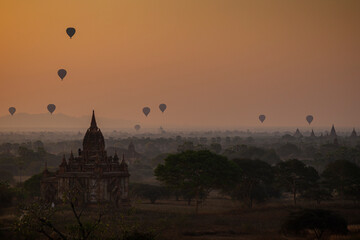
(116, 158)
(353, 133)
(93, 124)
(298, 133)
(93, 143)
(63, 162)
(123, 165)
(312, 133)
(46, 171)
(333, 132)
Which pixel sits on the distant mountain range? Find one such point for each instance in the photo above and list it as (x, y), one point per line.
(58, 121)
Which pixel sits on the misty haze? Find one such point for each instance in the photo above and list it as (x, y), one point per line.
(195, 120)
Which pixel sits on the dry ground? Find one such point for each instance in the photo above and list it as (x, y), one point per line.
(218, 218)
(227, 219)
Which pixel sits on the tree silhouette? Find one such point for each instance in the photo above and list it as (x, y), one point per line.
(321, 222)
(197, 172)
(294, 176)
(344, 177)
(255, 183)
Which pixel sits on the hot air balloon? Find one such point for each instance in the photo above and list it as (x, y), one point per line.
(70, 31)
(137, 127)
(262, 118)
(51, 108)
(146, 111)
(62, 73)
(162, 107)
(12, 110)
(309, 118)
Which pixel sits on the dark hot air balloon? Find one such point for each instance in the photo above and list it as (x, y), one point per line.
(62, 73)
(70, 31)
(146, 111)
(12, 110)
(137, 127)
(309, 118)
(262, 118)
(162, 107)
(51, 108)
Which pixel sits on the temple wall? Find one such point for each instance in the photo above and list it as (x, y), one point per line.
(92, 190)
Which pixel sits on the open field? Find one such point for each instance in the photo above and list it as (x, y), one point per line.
(217, 219)
(226, 219)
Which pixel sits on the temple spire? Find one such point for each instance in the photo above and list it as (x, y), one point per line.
(71, 156)
(123, 165)
(93, 121)
(46, 171)
(312, 133)
(63, 163)
(333, 132)
(298, 134)
(353, 133)
(116, 158)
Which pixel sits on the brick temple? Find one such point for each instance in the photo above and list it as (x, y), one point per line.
(93, 176)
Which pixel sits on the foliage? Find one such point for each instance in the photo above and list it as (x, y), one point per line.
(6, 176)
(288, 150)
(32, 185)
(186, 146)
(197, 171)
(39, 217)
(317, 193)
(26, 160)
(344, 177)
(100, 222)
(329, 153)
(216, 147)
(294, 176)
(318, 221)
(256, 181)
(6, 194)
(251, 152)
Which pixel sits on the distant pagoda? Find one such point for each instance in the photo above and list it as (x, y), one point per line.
(353, 134)
(131, 153)
(333, 132)
(298, 134)
(312, 135)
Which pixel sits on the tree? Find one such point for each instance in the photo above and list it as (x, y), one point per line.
(32, 185)
(294, 176)
(83, 223)
(6, 176)
(318, 221)
(6, 194)
(289, 150)
(257, 177)
(216, 147)
(40, 217)
(251, 152)
(344, 177)
(317, 193)
(196, 171)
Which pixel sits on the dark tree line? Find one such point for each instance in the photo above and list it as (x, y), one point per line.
(199, 172)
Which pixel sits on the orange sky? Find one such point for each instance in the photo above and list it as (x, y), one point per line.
(213, 62)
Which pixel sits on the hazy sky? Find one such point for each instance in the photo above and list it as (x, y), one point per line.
(213, 62)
